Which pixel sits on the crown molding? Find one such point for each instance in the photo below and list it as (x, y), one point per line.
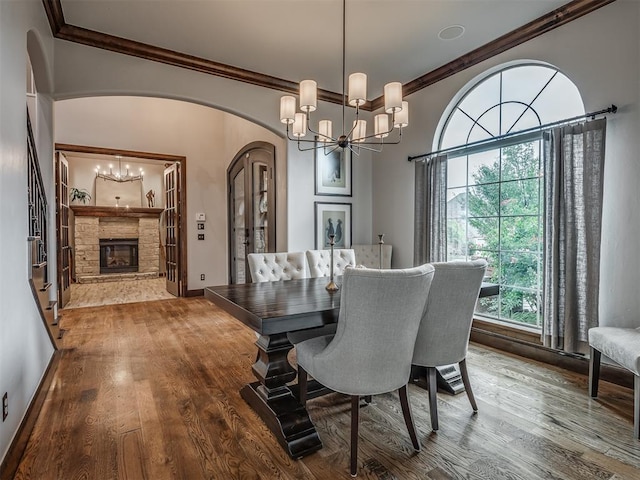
(554, 19)
(72, 148)
(53, 8)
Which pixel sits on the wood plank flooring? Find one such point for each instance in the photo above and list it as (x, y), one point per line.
(149, 391)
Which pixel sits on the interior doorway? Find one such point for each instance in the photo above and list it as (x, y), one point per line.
(252, 212)
(108, 209)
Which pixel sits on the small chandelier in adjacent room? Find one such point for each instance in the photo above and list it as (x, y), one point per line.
(353, 136)
(118, 176)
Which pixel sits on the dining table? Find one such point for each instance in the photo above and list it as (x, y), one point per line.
(273, 309)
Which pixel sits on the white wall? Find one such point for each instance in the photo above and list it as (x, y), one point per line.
(25, 349)
(82, 175)
(601, 54)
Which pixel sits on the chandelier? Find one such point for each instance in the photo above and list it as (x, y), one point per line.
(353, 137)
(118, 176)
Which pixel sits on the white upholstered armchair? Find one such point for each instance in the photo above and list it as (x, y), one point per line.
(320, 261)
(369, 255)
(270, 267)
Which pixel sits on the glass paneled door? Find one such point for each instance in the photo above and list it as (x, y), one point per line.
(62, 231)
(172, 212)
(250, 180)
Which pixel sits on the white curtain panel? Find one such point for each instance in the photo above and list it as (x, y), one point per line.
(430, 234)
(573, 170)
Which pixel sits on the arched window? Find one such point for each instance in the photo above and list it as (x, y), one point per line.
(32, 93)
(494, 183)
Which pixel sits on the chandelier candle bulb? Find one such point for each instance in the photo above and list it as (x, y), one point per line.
(300, 125)
(402, 117)
(287, 109)
(381, 125)
(393, 97)
(325, 130)
(308, 95)
(357, 89)
(359, 130)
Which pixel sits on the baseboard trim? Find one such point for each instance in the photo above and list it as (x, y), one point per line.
(195, 293)
(568, 361)
(12, 460)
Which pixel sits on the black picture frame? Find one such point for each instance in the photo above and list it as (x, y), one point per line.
(333, 217)
(333, 169)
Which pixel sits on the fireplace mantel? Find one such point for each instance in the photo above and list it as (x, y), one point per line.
(99, 211)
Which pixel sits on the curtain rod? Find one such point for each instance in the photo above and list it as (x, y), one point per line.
(592, 115)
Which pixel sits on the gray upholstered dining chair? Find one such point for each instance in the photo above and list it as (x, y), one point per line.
(270, 267)
(443, 337)
(370, 354)
(320, 261)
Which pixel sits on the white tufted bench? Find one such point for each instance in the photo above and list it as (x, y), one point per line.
(622, 345)
(369, 255)
(270, 267)
(320, 261)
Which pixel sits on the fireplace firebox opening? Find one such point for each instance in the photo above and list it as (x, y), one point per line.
(118, 255)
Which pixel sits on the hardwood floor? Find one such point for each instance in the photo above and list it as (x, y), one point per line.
(150, 391)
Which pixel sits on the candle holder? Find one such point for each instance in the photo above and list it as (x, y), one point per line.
(380, 243)
(331, 286)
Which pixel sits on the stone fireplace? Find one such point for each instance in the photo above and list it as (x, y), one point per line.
(115, 243)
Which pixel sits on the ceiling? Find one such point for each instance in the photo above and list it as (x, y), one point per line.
(390, 40)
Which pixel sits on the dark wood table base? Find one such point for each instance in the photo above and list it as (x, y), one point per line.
(275, 402)
(287, 419)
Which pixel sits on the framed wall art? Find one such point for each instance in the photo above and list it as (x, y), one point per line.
(333, 171)
(333, 218)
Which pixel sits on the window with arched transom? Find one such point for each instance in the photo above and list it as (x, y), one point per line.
(495, 180)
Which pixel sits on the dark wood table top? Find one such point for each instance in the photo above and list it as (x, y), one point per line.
(279, 307)
(285, 306)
